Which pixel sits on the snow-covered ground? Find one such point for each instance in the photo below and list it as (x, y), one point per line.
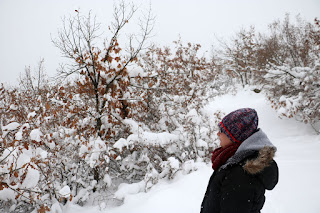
(298, 159)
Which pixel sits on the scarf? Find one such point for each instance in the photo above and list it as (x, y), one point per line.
(221, 155)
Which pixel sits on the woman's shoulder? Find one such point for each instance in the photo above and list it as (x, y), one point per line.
(262, 159)
(259, 166)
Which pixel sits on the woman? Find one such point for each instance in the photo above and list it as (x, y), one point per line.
(243, 166)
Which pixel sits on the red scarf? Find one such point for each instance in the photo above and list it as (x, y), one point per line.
(221, 155)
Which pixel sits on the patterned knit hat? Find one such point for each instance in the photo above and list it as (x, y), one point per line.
(240, 124)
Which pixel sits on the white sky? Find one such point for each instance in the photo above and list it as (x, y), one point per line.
(27, 25)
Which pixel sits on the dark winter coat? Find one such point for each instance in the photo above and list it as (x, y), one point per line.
(239, 185)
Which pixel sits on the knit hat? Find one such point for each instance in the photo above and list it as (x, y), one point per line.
(240, 124)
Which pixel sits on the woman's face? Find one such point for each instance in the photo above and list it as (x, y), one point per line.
(224, 140)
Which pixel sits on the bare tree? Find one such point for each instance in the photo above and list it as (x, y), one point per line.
(104, 69)
(240, 55)
(34, 81)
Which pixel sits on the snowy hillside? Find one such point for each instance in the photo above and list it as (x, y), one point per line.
(298, 159)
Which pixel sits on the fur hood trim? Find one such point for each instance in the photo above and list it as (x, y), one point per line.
(264, 159)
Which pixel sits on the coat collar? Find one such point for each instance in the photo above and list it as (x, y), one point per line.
(256, 143)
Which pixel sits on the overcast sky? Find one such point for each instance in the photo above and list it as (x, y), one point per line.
(28, 25)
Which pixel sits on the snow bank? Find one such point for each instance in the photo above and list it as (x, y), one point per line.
(127, 189)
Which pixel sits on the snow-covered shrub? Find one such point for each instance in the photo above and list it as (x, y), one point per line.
(174, 84)
(169, 129)
(295, 92)
(240, 57)
(24, 150)
(53, 136)
(151, 156)
(40, 149)
(292, 80)
(283, 62)
(248, 55)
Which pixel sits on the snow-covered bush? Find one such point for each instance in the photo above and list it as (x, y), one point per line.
(295, 92)
(42, 150)
(241, 57)
(283, 62)
(24, 149)
(292, 80)
(170, 128)
(174, 83)
(151, 156)
(52, 136)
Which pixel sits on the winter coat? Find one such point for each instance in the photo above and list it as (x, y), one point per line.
(239, 185)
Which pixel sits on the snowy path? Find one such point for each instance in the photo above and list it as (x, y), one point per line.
(298, 159)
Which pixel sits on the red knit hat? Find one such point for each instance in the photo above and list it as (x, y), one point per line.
(240, 124)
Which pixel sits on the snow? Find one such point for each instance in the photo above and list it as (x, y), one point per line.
(147, 138)
(65, 191)
(107, 179)
(161, 138)
(97, 147)
(13, 107)
(7, 194)
(202, 143)
(32, 114)
(297, 157)
(181, 195)
(42, 153)
(134, 126)
(22, 159)
(56, 208)
(128, 189)
(174, 163)
(35, 135)
(18, 136)
(83, 150)
(11, 126)
(194, 117)
(120, 144)
(31, 179)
